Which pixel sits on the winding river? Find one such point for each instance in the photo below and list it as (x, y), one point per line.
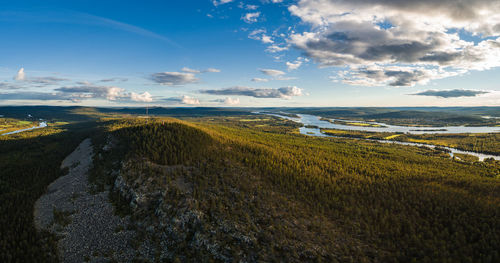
(315, 121)
(40, 125)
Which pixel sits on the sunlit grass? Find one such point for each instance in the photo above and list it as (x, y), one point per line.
(433, 142)
(32, 133)
(363, 124)
(392, 136)
(24, 122)
(9, 125)
(57, 123)
(334, 131)
(254, 120)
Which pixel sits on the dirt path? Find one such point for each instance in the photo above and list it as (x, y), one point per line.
(85, 222)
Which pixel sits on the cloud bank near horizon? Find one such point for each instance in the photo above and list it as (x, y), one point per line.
(455, 93)
(282, 93)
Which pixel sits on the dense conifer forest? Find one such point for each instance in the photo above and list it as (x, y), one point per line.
(386, 204)
(261, 191)
(29, 162)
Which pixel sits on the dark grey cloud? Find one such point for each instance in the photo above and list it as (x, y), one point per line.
(84, 83)
(404, 78)
(174, 78)
(272, 72)
(351, 42)
(92, 91)
(392, 76)
(33, 96)
(186, 76)
(8, 86)
(458, 10)
(284, 92)
(454, 93)
(114, 80)
(45, 80)
(388, 33)
(442, 58)
(228, 101)
(259, 80)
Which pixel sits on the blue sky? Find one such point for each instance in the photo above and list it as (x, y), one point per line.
(251, 53)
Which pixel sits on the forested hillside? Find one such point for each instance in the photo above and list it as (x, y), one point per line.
(28, 163)
(226, 190)
(251, 188)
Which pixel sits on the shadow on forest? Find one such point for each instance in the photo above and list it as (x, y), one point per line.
(27, 166)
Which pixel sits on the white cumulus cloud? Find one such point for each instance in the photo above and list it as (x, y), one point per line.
(20, 75)
(144, 97)
(174, 78)
(293, 65)
(231, 101)
(189, 100)
(250, 17)
(420, 36)
(221, 2)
